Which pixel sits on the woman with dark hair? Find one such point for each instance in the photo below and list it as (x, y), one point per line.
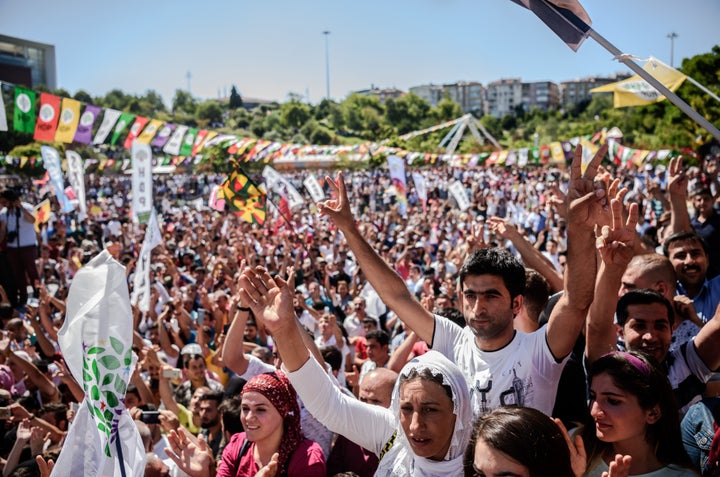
(636, 428)
(272, 442)
(517, 441)
(425, 431)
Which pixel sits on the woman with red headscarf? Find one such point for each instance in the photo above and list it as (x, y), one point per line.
(272, 437)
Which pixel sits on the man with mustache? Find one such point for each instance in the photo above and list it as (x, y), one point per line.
(688, 254)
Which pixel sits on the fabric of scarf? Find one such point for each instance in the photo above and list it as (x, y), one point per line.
(278, 390)
(405, 462)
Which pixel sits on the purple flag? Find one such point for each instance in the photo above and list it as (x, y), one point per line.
(163, 135)
(565, 23)
(87, 120)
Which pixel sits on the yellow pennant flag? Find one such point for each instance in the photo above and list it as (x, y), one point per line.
(150, 130)
(42, 213)
(557, 153)
(635, 91)
(69, 119)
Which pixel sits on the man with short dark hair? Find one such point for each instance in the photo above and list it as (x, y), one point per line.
(689, 255)
(17, 229)
(210, 419)
(195, 372)
(706, 223)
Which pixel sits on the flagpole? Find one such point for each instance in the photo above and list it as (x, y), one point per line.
(672, 97)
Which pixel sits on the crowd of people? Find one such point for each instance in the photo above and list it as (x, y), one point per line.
(565, 324)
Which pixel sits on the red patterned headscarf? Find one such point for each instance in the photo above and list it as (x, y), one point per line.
(277, 389)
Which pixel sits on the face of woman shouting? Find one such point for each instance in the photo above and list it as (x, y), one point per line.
(426, 415)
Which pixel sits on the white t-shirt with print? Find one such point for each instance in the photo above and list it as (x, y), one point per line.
(523, 373)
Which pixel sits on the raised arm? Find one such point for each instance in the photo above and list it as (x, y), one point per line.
(389, 285)
(677, 190)
(707, 342)
(615, 245)
(531, 256)
(585, 203)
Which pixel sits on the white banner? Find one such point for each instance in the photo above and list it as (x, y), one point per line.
(76, 177)
(421, 188)
(397, 175)
(458, 192)
(51, 160)
(96, 341)
(142, 180)
(176, 140)
(109, 119)
(141, 279)
(3, 117)
(278, 184)
(313, 187)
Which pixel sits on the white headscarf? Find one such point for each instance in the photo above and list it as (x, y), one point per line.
(400, 459)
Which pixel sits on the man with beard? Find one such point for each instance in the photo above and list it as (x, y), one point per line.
(688, 254)
(210, 419)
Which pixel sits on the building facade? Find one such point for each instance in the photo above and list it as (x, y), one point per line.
(27, 63)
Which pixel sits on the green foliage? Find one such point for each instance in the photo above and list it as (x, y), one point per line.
(210, 111)
(183, 102)
(235, 99)
(294, 114)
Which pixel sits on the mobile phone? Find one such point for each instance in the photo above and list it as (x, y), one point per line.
(74, 406)
(5, 413)
(150, 417)
(200, 316)
(172, 373)
(33, 302)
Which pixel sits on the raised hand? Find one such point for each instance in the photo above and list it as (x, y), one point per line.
(619, 467)
(678, 180)
(586, 198)
(502, 227)
(269, 470)
(616, 243)
(578, 456)
(338, 207)
(271, 299)
(193, 458)
(476, 238)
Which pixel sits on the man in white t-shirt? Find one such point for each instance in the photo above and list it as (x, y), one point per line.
(501, 366)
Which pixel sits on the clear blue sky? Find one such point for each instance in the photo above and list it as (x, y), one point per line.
(269, 48)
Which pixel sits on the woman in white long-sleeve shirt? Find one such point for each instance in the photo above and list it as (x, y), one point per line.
(426, 429)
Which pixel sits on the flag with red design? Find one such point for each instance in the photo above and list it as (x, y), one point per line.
(244, 198)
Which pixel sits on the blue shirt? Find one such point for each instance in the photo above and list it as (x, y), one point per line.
(707, 299)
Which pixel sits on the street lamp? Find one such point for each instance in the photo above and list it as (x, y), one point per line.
(327, 66)
(672, 36)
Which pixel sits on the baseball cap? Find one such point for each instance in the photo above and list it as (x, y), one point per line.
(192, 348)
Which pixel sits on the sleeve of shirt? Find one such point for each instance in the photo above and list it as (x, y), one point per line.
(366, 425)
(255, 367)
(446, 337)
(695, 363)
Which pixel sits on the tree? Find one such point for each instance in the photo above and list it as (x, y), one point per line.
(210, 111)
(235, 99)
(406, 113)
(294, 114)
(83, 96)
(183, 102)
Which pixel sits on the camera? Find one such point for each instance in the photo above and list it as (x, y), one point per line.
(12, 236)
(150, 417)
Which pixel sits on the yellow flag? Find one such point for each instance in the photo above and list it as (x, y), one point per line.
(42, 214)
(557, 153)
(635, 91)
(69, 119)
(149, 132)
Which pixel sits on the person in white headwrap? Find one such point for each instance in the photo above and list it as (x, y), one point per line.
(428, 426)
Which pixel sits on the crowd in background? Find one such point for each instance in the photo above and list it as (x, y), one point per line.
(189, 378)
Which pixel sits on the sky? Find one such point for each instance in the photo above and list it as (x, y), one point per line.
(271, 48)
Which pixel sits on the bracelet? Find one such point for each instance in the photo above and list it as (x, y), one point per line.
(243, 308)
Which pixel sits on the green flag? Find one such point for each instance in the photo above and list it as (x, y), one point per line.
(188, 142)
(123, 122)
(24, 116)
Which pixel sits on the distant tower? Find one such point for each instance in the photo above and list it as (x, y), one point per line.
(188, 76)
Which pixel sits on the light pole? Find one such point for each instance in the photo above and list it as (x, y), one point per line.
(327, 66)
(672, 36)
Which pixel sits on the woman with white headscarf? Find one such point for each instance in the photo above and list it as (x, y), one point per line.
(425, 431)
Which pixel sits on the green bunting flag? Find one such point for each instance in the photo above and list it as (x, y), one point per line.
(123, 122)
(188, 142)
(24, 116)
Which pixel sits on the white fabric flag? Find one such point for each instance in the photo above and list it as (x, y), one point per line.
(51, 161)
(421, 188)
(175, 142)
(458, 192)
(96, 341)
(3, 116)
(141, 279)
(109, 119)
(142, 184)
(313, 187)
(76, 177)
(397, 175)
(522, 157)
(279, 184)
